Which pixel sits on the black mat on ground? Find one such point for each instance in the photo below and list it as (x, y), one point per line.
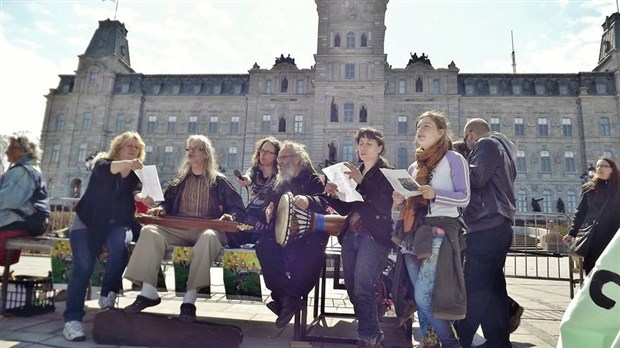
(115, 327)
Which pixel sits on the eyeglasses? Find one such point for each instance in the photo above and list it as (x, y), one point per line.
(282, 157)
(603, 166)
(466, 135)
(193, 149)
(266, 152)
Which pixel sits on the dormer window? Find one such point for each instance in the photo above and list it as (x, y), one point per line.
(125, 87)
(92, 77)
(197, 88)
(601, 88)
(350, 40)
(176, 89)
(516, 89)
(156, 88)
(540, 89)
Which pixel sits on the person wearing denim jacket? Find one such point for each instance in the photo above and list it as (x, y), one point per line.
(434, 217)
(365, 237)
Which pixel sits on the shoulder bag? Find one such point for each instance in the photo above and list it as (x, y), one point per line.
(581, 244)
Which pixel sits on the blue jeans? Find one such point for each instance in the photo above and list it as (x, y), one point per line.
(363, 261)
(83, 263)
(422, 274)
(487, 298)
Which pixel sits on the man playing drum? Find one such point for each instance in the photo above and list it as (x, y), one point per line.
(290, 272)
(198, 191)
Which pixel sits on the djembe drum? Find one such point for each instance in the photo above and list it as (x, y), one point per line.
(293, 223)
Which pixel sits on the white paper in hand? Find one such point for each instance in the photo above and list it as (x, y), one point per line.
(150, 182)
(346, 186)
(402, 182)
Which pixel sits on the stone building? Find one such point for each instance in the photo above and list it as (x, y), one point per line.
(560, 122)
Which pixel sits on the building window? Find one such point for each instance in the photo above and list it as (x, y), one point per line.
(495, 124)
(217, 88)
(567, 127)
(539, 89)
(601, 88)
(402, 125)
(571, 202)
(298, 127)
(545, 162)
(120, 122)
(156, 88)
(55, 153)
(546, 202)
(268, 87)
(364, 40)
(605, 127)
(234, 125)
(348, 112)
(151, 125)
(86, 120)
(403, 158)
(470, 89)
(436, 89)
(266, 125)
(82, 153)
(569, 162)
(213, 125)
(493, 89)
(300, 86)
(237, 88)
(563, 89)
(192, 125)
(521, 201)
(543, 127)
(125, 87)
(168, 155)
(171, 127)
(148, 150)
(608, 154)
(231, 160)
(402, 87)
(92, 77)
(60, 122)
(347, 150)
(519, 127)
(196, 88)
(350, 40)
(337, 40)
(176, 89)
(516, 89)
(349, 71)
(521, 163)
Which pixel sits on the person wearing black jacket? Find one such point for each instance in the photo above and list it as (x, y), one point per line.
(599, 199)
(290, 272)
(366, 234)
(198, 191)
(104, 216)
(489, 218)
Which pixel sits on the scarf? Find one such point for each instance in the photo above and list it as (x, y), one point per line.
(426, 161)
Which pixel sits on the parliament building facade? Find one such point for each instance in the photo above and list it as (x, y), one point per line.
(561, 123)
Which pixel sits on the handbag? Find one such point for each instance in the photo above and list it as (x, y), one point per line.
(581, 245)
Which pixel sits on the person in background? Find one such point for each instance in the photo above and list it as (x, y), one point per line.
(366, 235)
(198, 191)
(433, 227)
(290, 272)
(489, 218)
(260, 176)
(599, 201)
(104, 217)
(16, 189)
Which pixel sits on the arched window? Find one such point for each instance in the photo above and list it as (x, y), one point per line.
(571, 202)
(605, 127)
(569, 162)
(547, 202)
(231, 161)
(350, 40)
(522, 201)
(545, 162)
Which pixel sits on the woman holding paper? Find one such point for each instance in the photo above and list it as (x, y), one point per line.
(104, 217)
(365, 237)
(433, 229)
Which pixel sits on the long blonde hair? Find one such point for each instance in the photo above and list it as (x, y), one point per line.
(117, 144)
(210, 167)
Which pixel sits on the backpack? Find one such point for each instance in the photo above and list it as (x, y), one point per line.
(38, 222)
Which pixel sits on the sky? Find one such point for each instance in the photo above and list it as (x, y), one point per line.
(41, 39)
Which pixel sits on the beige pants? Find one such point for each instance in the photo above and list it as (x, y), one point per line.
(151, 248)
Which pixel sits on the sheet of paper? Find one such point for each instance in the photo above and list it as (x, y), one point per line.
(346, 186)
(402, 182)
(150, 182)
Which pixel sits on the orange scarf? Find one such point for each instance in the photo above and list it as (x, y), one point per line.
(426, 161)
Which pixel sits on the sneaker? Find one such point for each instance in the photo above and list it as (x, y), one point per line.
(74, 331)
(108, 301)
(515, 318)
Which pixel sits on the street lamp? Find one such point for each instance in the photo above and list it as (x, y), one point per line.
(588, 175)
